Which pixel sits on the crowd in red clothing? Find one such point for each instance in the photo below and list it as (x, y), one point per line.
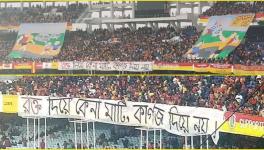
(223, 93)
(144, 44)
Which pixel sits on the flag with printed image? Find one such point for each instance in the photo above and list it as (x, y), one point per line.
(39, 40)
(221, 36)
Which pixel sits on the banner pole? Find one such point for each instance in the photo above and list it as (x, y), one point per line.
(207, 142)
(186, 141)
(75, 135)
(87, 134)
(201, 142)
(160, 138)
(94, 135)
(34, 133)
(45, 132)
(192, 142)
(141, 138)
(38, 132)
(154, 139)
(27, 132)
(81, 136)
(147, 139)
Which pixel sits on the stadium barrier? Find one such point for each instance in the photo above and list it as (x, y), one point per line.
(236, 69)
(180, 120)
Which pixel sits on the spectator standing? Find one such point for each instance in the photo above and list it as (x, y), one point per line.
(42, 144)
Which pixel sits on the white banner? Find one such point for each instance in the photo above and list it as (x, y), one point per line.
(33, 106)
(46, 65)
(107, 66)
(180, 120)
(66, 65)
(7, 66)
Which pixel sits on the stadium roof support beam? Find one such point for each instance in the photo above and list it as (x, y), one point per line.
(67, 4)
(89, 27)
(133, 10)
(123, 12)
(199, 8)
(100, 16)
(111, 10)
(178, 9)
(156, 25)
(21, 5)
(44, 4)
(192, 8)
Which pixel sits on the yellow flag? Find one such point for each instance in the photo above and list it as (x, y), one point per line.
(242, 21)
(10, 103)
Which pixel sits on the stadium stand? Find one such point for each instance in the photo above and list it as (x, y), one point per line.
(143, 44)
(225, 8)
(60, 134)
(223, 93)
(162, 44)
(38, 14)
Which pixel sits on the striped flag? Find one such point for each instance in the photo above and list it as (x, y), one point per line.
(259, 16)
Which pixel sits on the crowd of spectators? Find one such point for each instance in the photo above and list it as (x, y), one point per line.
(8, 130)
(7, 41)
(144, 44)
(225, 8)
(223, 93)
(38, 14)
